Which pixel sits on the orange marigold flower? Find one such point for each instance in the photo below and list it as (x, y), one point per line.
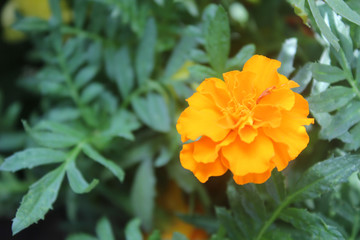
(250, 123)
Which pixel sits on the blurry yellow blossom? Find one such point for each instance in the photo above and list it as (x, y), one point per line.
(28, 8)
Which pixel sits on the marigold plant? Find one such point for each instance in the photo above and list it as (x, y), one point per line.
(250, 123)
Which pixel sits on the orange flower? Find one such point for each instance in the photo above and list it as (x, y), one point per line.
(248, 124)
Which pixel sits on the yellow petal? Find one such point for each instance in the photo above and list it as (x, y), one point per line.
(281, 158)
(194, 123)
(240, 84)
(246, 158)
(283, 98)
(202, 171)
(206, 150)
(266, 115)
(216, 90)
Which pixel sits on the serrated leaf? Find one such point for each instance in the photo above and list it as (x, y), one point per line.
(53, 135)
(238, 61)
(104, 230)
(324, 176)
(217, 38)
(227, 221)
(81, 236)
(275, 186)
(85, 75)
(179, 236)
(32, 157)
(325, 30)
(153, 111)
(76, 180)
(311, 223)
(331, 99)
(327, 73)
(38, 201)
(286, 56)
(91, 91)
(132, 230)
(110, 165)
(143, 194)
(124, 74)
(341, 8)
(179, 55)
(31, 24)
(303, 78)
(145, 55)
(122, 124)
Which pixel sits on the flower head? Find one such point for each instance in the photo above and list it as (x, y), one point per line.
(249, 124)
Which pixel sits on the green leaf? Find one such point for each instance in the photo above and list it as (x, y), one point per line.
(155, 235)
(110, 165)
(81, 236)
(153, 111)
(179, 236)
(199, 72)
(31, 24)
(91, 91)
(179, 55)
(209, 224)
(56, 10)
(124, 74)
(104, 230)
(341, 8)
(76, 180)
(85, 75)
(217, 38)
(32, 157)
(303, 78)
(143, 194)
(286, 56)
(311, 223)
(344, 119)
(238, 61)
(331, 99)
(38, 201)
(325, 30)
(355, 134)
(132, 230)
(145, 55)
(324, 176)
(54, 135)
(327, 73)
(80, 11)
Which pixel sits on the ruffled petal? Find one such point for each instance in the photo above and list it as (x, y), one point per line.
(202, 171)
(194, 123)
(247, 133)
(290, 134)
(257, 178)
(240, 84)
(244, 158)
(281, 158)
(266, 72)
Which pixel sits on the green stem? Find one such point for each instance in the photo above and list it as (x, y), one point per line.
(355, 228)
(79, 32)
(349, 76)
(74, 153)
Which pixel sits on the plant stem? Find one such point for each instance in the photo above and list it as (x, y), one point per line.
(349, 76)
(355, 228)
